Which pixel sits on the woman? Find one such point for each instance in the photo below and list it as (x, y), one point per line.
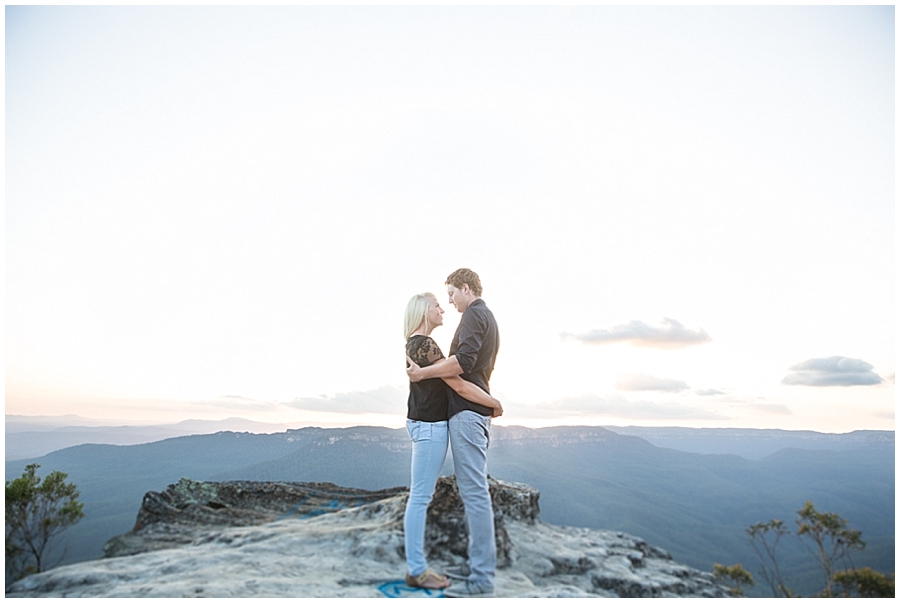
(427, 425)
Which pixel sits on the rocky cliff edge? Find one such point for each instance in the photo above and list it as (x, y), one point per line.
(266, 539)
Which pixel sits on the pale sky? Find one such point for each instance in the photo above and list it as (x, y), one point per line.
(680, 216)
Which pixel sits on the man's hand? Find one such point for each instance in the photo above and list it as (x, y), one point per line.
(497, 411)
(413, 371)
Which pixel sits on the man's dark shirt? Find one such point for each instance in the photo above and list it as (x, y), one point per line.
(475, 346)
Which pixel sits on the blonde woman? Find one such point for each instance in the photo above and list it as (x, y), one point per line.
(427, 425)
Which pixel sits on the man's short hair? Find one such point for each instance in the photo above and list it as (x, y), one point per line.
(465, 276)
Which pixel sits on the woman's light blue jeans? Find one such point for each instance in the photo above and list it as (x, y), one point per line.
(429, 449)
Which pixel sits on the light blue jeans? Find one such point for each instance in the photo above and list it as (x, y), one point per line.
(429, 449)
(470, 436)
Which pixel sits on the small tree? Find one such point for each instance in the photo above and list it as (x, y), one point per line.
(735, 577)
(864, 582)
(828, 537)
(36, 513)
(831, 537)
(764, 539)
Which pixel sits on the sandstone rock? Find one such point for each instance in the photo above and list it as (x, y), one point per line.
(189, 510)
(446, 535)
(257, 539)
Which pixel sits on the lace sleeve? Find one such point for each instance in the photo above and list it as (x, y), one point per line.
(424, 351)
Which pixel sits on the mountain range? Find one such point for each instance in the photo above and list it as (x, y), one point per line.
(695, 505)
(29, 437)
(33, 436)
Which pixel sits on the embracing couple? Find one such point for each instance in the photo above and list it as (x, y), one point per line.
(449, 403)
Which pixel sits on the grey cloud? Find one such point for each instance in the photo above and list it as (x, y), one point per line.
(590, 405)
(637, 383)
(832, 371)
(670, 335)
(709, 392)
(386, 400)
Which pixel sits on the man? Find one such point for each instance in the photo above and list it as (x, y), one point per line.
(472, 355)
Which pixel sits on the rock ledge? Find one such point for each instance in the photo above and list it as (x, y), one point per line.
(265, 539)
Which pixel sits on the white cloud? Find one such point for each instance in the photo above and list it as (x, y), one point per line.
(770, 409)
(239, 404)
(590, 405)
(387, 399)
(670, 335)
(636, 383)
(832, 371)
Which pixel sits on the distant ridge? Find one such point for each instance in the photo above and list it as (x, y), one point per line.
(751, 443)
(31, 437)
(18, 422)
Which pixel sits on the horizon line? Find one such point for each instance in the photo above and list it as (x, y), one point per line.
(112, 424)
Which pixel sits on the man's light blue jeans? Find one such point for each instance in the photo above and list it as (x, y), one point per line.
(470, 436)
(429, 449)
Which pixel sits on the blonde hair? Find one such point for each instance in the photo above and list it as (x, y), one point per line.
(416, 311)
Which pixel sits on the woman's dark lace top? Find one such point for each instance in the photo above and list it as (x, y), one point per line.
(428, 400)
